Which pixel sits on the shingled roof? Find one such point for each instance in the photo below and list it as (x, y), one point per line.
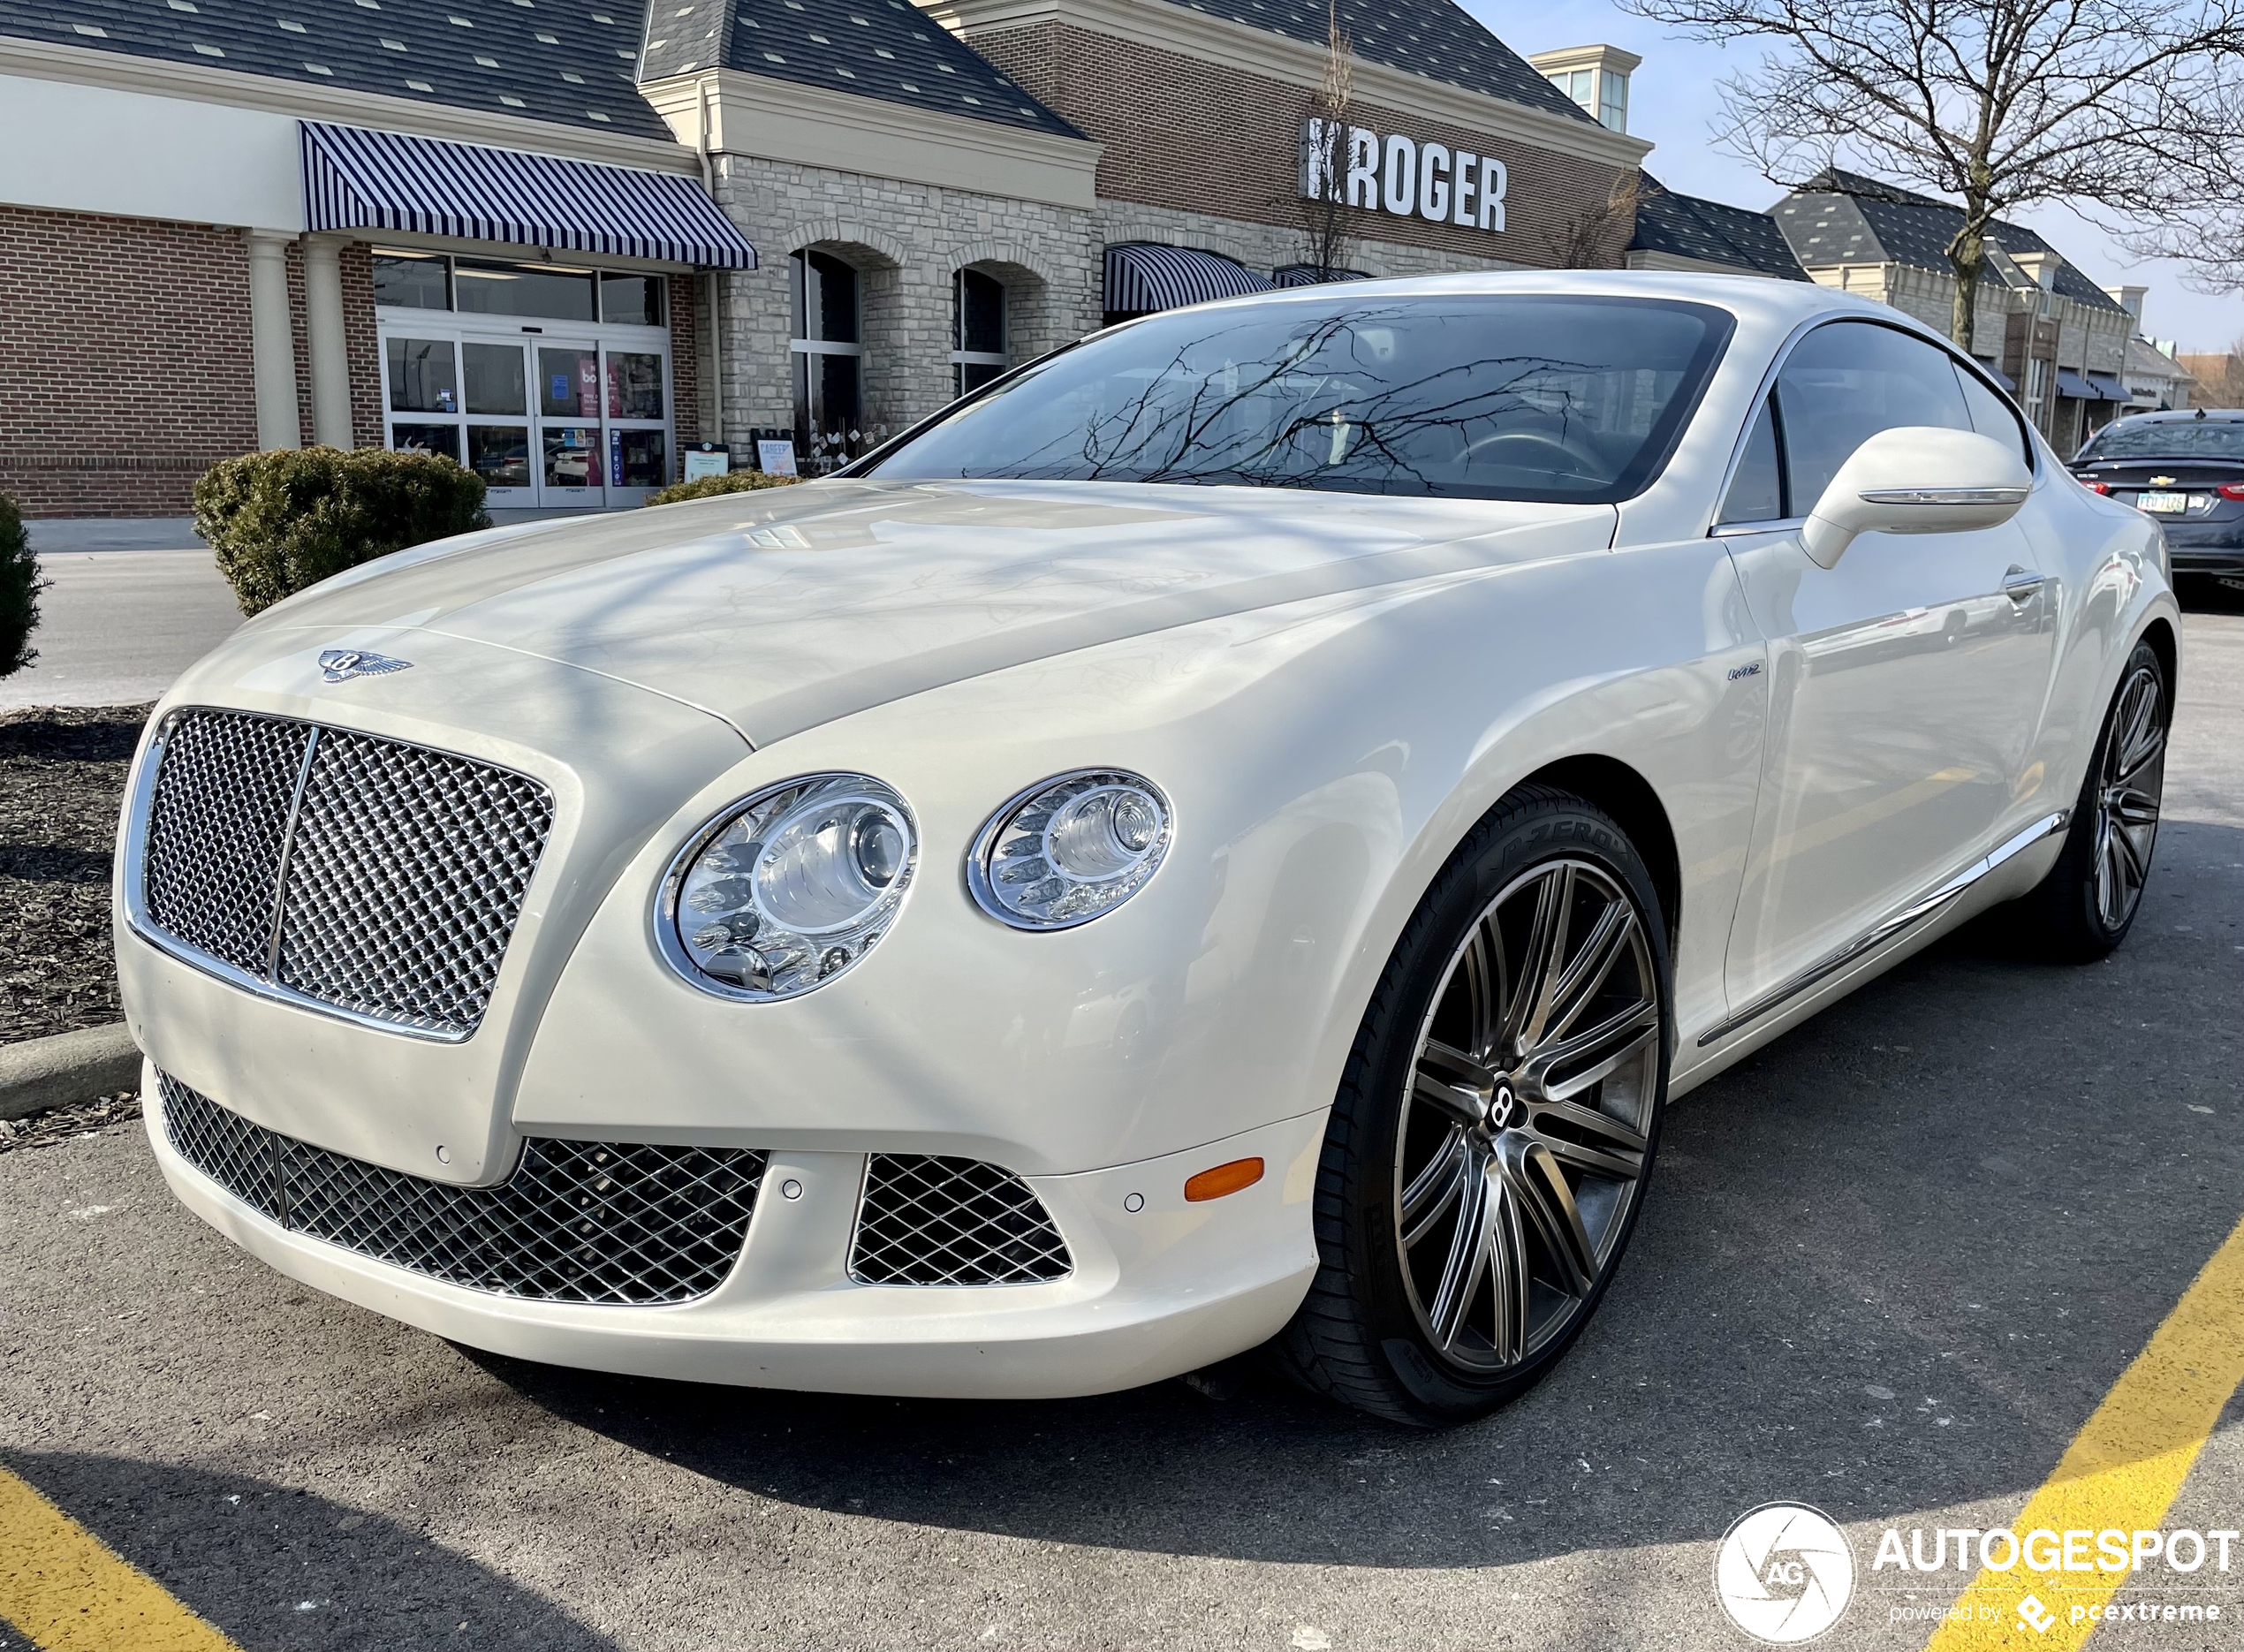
(574, 61)
(1840, 217)
(1434, 38)
(1691, 226)
(887, 50)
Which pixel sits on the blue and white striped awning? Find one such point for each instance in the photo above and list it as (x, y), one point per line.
(1310, 275)
(359, 180)
(1144, 276)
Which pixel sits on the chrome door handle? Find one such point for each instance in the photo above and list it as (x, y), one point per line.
(2020, 584)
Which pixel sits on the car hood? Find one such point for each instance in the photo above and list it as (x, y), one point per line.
(783, 610)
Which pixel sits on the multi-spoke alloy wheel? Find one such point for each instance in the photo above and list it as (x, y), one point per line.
(2128, 790)
(2085, 906)
(1521, 1145)
(1489, 1145)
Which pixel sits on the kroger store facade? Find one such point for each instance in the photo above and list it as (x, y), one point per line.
(563, 244)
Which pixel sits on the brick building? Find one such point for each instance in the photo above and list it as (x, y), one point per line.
(565, 243)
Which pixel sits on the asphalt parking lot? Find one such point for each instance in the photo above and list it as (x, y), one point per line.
(1889, 1268)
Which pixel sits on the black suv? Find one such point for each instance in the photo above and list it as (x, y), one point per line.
(2187, 469)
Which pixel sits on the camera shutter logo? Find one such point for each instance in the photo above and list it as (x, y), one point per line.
(1783, 1574)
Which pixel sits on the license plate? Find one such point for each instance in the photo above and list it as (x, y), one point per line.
(2163, 504)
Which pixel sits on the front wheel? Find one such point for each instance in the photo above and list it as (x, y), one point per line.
(1489, 1145)
(2085, 905)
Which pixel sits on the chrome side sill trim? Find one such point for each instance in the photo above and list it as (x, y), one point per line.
(1890, 928)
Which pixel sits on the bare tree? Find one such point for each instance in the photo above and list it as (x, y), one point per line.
(1593, 236)
(1325, 144)
(2119, 108)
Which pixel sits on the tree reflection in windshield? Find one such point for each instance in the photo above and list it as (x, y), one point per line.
(1513, 396)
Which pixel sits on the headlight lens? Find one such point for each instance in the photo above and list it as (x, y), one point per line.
(1069, 849)
(787, 889)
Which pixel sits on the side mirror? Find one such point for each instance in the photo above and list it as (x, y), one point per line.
(1916, 478)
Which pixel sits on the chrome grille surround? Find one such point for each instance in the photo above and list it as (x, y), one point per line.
(929, 1220)
(599, 1221)
(364, 877)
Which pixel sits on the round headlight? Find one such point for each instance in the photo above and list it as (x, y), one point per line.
(1069, 849)
(788, 888)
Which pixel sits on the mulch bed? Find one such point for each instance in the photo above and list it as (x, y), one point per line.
(62, 782)
(62, 1124)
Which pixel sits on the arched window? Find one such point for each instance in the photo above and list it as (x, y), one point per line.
(829, 357)
(978, 343)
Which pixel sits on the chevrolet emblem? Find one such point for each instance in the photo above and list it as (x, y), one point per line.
(2162, 481)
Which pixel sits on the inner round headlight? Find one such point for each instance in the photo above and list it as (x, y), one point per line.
(788, 888)
(1069, 849)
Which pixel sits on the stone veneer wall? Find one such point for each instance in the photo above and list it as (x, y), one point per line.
(907, 240)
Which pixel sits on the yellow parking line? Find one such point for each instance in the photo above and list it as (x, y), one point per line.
(2125, 1466)
(65, 1588)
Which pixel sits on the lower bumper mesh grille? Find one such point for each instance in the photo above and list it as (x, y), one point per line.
(577, 1221)
(927, 1220)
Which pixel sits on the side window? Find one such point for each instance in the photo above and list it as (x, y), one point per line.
(1848, 380)
(1757, 491)
(1992, 415)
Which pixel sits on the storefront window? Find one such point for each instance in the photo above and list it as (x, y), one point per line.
(827, 358)
(634, 299)
(562, 295)
(634, 385)
(427, 438)
(571, 459)
(978, 351)
(494, 378)
(500, 454)
(568, 384)
(413, 282)
(638, 458)
(481, 286)
(422, 376)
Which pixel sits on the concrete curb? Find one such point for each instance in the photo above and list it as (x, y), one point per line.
(66, 1069)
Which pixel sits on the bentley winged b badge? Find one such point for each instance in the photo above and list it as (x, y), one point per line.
(340, 665)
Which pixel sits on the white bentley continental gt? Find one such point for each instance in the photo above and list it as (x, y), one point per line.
(1229, 837)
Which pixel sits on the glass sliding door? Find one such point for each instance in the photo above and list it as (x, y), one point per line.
(420, 395)
(638, 423)
(571, 456)
(496, 398)
(550, 417)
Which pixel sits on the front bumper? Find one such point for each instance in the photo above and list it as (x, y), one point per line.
(1155, 1292)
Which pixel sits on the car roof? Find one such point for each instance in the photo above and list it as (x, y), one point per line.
(2185, 415)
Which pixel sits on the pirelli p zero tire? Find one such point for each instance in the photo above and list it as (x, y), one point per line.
(1495, 1128)
(2087, 904)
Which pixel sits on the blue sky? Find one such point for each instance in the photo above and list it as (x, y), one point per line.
(1672, 98)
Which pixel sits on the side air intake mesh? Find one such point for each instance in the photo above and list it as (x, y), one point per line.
(577, 1221)
(926, 1220)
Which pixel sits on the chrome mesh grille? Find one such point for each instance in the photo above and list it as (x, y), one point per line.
(577, 1221)
(217, 829)
(383, 878)
(927, 1220)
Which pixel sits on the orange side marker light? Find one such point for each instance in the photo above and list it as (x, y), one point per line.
(1224, 1178)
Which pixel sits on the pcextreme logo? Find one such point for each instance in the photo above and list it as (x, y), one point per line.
(1783, 1574)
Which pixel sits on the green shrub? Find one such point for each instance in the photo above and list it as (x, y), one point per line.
(709, 487)
(281, 521)
(20, 588)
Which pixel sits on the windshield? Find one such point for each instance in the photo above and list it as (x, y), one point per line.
(1487, 396)
(2167, 438)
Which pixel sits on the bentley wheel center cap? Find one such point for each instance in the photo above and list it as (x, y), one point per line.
(1501, 1107)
